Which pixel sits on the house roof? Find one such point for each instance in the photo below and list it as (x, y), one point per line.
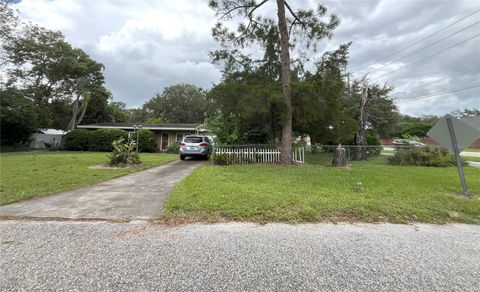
(148, 126)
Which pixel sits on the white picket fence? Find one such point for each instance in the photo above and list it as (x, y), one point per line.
(298, 155)
(243, 155)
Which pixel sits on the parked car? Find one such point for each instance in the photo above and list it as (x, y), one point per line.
(195, 146)
(405, 143)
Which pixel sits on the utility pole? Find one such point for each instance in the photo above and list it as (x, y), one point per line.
(360, 151)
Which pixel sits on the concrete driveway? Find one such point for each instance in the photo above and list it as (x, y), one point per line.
(141, 195)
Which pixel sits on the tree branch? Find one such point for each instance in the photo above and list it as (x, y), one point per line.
(254, 7)
(294, 15)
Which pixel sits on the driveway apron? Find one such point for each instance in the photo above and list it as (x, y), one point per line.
(140, 195)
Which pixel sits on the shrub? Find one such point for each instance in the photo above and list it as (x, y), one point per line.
(101, 139)
(373, 142)
(146, 141)
(223, 159)
(227, 159)
(174, 148)
(425, 156)
(77, 140)
(124, 153)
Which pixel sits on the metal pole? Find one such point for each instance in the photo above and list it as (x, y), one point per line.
(138, 134)
(457, 155)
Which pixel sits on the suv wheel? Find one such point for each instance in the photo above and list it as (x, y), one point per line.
(182, 157)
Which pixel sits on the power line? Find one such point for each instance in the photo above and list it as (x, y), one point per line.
(424, 38)
(429, 56)
(439, 93)
(427, 46)
(442, 80)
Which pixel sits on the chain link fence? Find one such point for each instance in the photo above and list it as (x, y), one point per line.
(323, 154)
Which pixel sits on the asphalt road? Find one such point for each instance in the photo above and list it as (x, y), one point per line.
(86, 256)
(141, 195)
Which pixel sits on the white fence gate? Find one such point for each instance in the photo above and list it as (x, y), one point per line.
(245, 154)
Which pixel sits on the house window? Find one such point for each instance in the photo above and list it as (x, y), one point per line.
(180, 137)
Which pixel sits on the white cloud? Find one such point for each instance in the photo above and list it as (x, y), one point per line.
(147, 45)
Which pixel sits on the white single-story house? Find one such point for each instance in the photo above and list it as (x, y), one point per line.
(165, 133)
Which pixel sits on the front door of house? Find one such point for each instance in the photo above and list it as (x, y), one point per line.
(164, 140)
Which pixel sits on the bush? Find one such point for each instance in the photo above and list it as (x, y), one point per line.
(174, 148)
(373, 140)
(101, 139)
(223, 159)
(124, 153)
(77, 140)
(146, 141)
(427, 156)
(227, 159)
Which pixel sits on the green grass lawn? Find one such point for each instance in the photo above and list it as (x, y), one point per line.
(313, 193)
(26, 175)
(472, 150)
(470, 158)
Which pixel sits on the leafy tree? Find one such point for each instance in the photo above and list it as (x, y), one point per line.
(137, 115)
(465, 113)
(17, 117)
(303, 25)
(180, 103)
(322, 106)
(98, 108)
(245, 113)
(41, 64)
(154, 120)
(117, 112)
(413, 126)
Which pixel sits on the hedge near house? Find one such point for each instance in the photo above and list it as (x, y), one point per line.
(77, 140)
(146, 141)
(101, 139)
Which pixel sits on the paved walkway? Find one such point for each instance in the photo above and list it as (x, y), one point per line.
(141, 195)
(474, 164)
(85, 256)
(470, 154)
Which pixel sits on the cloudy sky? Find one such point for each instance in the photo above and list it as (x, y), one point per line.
(146, 45)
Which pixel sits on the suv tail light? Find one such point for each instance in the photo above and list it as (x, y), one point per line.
(182, 144)
(203, 144)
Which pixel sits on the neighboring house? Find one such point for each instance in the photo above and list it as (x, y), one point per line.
(165, 134)
(47, 139)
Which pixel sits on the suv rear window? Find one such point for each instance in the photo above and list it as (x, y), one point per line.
(193, 140)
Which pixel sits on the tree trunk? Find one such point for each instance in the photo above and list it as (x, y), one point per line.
(360, 150)
(340, 157)
(86, 99)
(73, 121)
(286, 146)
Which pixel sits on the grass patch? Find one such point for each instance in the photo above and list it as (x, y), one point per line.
(37, 174)
(472, 150)
(370, 191)
(471, 158)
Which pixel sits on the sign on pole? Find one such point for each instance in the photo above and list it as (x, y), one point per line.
(456, 135)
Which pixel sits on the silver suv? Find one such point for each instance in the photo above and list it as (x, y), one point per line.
(196, 146)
